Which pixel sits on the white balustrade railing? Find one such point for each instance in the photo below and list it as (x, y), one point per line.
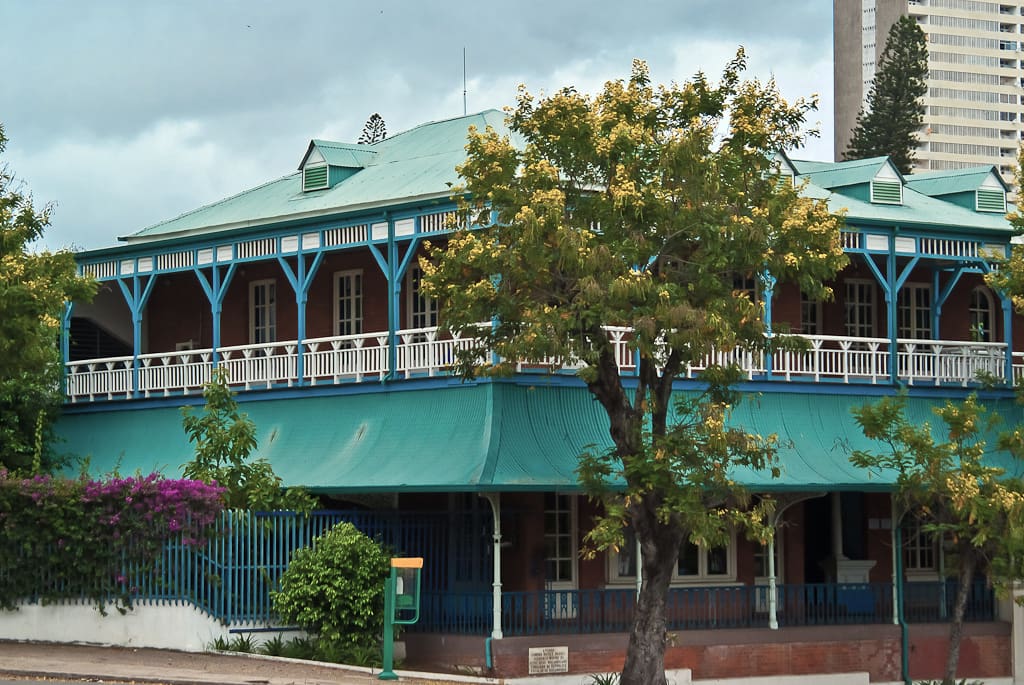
(171, 372)
(262, 364)
(427, 352)
(108, 378)
(345, 358)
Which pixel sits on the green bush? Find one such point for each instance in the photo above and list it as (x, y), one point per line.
(335, 589)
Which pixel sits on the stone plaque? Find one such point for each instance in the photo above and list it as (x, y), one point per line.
(549, 660)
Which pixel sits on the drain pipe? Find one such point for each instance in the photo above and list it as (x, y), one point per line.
(494, 499)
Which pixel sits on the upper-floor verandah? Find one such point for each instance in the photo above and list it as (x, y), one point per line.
(357, 315)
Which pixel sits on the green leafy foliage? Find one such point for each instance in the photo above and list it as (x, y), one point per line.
(89, 539)
(638, 207)
(890, 122)
(977, 507)
(335, 590)
(224, 438)
(34, 286)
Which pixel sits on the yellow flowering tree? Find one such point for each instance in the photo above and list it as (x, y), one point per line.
(34, 285)
(961, 499)
(639, 208)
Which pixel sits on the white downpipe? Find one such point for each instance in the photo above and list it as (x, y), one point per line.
(495, 500)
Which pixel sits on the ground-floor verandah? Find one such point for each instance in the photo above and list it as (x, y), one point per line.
(457, 453)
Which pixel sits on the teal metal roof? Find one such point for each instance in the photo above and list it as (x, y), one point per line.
(937, 183)
(839, 174)
(833, 181)
(416, 164)
(481, 437)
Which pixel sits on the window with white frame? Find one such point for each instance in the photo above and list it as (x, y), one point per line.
(914, 311)
(859, 305)
(559, 541)
(810, 314)
(920, 550)
(697, 564)
(262, 311)
(348, 302)
(981, 315)
(422, 309)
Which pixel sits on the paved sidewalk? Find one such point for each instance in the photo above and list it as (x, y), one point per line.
(119, 664)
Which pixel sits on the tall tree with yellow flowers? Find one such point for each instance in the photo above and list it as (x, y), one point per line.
(34, 285)
(639, 207)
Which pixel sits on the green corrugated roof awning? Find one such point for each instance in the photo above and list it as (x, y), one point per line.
(477, 437)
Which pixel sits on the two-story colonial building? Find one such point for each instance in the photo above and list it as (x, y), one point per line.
(307, 290)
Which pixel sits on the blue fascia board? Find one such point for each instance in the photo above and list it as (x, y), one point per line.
(274, 229)
(211, 242)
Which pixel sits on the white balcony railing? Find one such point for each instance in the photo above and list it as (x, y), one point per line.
(424, 352)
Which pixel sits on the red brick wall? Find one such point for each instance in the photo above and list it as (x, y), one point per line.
(746, 653)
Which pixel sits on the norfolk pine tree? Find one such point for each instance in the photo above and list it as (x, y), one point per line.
(892, 118)
(34, 285)
(638, 207)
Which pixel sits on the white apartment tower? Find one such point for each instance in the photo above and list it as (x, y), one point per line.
(973, 107)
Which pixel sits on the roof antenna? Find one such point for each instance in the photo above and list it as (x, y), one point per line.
(464, 112)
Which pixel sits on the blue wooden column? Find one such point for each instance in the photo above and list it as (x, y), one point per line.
(215, 289)
(65, 344)
(300, 280)
(891, 281)
(394, 271)
(768, 283)
(136, 297)
(1008, 336)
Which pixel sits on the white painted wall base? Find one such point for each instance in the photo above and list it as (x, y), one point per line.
(149, 624)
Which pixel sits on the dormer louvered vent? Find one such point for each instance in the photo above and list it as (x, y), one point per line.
(991, 200)
(314, 177)
(889, 192)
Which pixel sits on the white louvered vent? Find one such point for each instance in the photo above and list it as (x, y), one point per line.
(346, 235)
(256, 248)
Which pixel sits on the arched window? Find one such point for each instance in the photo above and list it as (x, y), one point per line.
(981, 315)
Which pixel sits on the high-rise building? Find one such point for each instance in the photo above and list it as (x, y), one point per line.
(973, 107)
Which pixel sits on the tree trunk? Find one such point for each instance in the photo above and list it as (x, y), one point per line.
(965, 576)
(659, 543)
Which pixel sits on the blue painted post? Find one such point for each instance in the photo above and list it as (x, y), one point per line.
(768, 283)
(394, 308)
(65, 344)
(890, 308)
(1008, 337)
(301, 297)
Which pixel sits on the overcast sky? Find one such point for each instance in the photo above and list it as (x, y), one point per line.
(126, 113)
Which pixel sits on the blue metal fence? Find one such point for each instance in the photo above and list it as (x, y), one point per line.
(696, 608)
(231, 579)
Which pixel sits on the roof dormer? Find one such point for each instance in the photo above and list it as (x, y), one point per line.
(991, 195)
(980, 189)
(887, 186)
(783, 168)
(326, 163)
(314, 172)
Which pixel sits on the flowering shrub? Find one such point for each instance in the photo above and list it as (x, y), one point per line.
(64, 538)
